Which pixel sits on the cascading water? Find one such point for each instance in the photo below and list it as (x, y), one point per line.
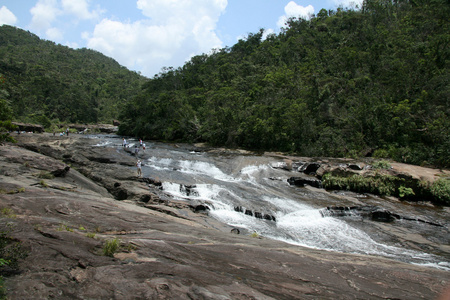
(237, 187)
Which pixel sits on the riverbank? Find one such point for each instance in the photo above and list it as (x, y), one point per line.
(67, 201)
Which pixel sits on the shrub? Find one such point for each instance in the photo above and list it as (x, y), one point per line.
(6, 126)
(11, 250)
(405, 192)
(381, 164)
(380, 153)
(380, 184)
(440, 189)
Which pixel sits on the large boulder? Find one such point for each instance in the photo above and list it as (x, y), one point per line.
(309, 168)
(302, 181)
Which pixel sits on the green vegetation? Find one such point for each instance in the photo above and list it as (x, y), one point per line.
(381, 164)
(90, 235)
(254, 235)
(45, 83)
(379, 184)
(8, 213)
(45, 175)
(440, 190)
(43, 183)
(405, 192)
(19, 190)
(64, 227)
(437, 192)
(5, 118)
(110, 247)
(11, 252)
(345, 83)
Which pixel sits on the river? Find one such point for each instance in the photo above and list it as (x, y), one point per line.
(230, 183)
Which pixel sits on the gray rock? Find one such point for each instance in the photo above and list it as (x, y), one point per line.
(166, 250)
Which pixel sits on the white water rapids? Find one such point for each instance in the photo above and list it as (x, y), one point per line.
(223, 181)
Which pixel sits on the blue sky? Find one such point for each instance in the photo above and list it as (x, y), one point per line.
(146, 35)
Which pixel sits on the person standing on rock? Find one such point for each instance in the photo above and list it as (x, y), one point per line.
(139, 167)
(124, 144)
(136, 150)
(67, 131)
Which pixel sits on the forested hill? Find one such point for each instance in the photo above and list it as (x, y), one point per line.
(373, 81)
(42, 82)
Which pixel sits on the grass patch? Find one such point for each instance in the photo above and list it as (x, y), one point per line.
(65, 227)
(19, 190)
(90, 235)
(7, 212)
(45, 175)
(110, 247)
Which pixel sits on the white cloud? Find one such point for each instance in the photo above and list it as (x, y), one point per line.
(54, 34)
(80, 9)
(174, 30)
(292, 9)
(7, 17)
(44, 14)
(47, 15)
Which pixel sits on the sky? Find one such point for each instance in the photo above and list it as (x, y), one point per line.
(147, 35)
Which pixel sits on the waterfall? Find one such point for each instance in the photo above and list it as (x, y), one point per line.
(249, 193)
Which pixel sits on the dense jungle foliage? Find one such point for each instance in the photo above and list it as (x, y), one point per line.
(373, 81)
(45, 83)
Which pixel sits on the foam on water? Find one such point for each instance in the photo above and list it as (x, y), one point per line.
(190, 167)
(250, 170)
(161, 162)
(296, 223)
(203, 168)
(241, 220)
(102, 144)
(174, 189)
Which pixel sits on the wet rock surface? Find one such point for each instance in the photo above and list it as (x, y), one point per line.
(166, 249)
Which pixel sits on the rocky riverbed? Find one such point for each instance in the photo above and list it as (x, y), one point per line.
(66, 203)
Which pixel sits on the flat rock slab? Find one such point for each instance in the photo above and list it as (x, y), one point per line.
(179, 255)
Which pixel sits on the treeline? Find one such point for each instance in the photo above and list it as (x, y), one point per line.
(373, 81)
(45, 83)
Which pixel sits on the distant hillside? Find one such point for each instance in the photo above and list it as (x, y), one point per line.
(373, 81)
(44, 82)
